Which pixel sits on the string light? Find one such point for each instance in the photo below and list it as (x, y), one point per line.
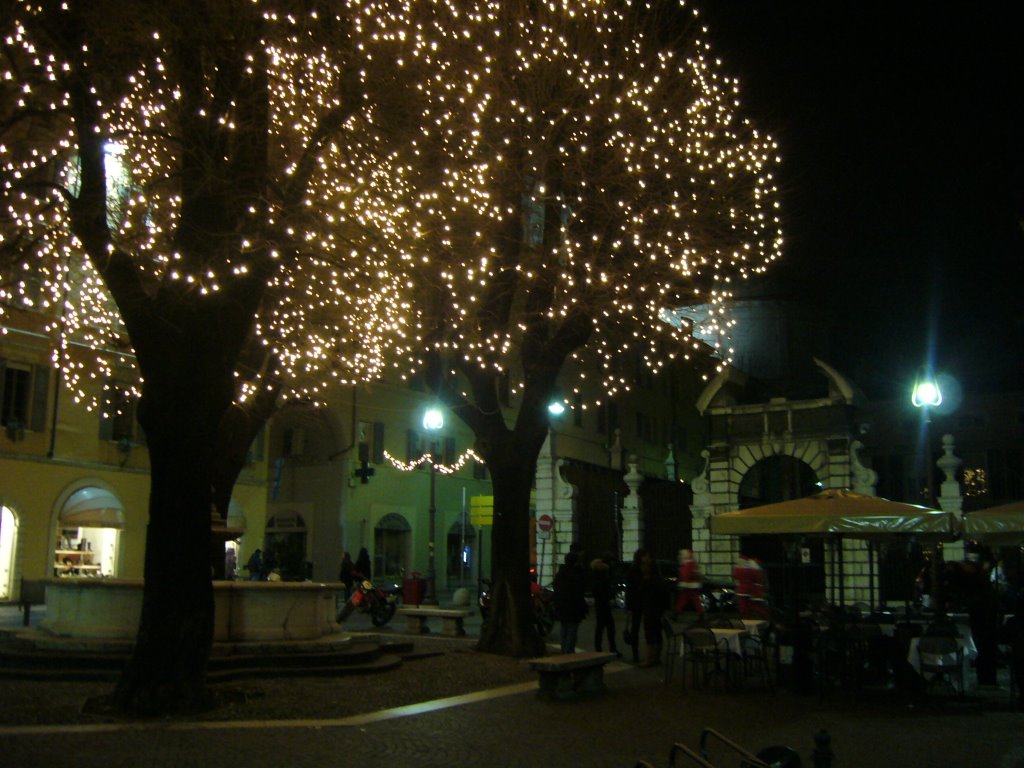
(444, 469)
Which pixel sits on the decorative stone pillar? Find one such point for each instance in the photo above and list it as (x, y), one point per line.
(632, 519)
(864, 478)
(858, 568)
(554, 497)
(700, 511)
(951, 496)
(670, 465)
(615, 450)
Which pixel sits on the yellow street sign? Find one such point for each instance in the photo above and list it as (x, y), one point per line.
(481, 510)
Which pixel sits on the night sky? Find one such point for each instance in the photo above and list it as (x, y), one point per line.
(903, 178)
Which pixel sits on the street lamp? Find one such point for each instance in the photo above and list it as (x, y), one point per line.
(433, 421)
(925, 395)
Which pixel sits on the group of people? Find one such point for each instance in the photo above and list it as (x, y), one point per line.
(570, 588)
(647, 598)
(350, 571)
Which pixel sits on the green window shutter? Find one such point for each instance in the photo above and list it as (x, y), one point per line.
(40, 391)
(378, 442)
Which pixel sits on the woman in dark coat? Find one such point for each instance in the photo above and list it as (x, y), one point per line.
(646, 600)
(363, 564)
(601, 586)
(570, 600)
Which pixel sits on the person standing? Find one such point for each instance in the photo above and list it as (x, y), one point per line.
(363, 564)
(345, 573)
(634, 604)
(570, 600)
(601, 587)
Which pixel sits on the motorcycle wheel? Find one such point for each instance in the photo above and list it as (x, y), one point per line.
(381, 613)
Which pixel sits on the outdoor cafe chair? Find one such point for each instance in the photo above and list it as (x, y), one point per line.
(702, 655)
(755, 657)
(941, 660)
(673, 637)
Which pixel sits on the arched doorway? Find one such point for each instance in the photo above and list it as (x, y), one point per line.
(795, 567)
(284, 547)
(89, 534)
(8, 539)
(392, 546)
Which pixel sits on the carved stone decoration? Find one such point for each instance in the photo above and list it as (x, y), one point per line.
(670, 464)
(950, 497)
(864, 478)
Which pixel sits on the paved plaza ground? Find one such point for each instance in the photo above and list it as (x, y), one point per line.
(461, 708)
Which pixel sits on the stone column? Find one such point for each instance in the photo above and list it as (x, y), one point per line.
(858, 569)
(701, 511)
(554, 497)
(632, 519)
(951, 497)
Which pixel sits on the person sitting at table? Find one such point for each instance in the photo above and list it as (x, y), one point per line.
(688, 587)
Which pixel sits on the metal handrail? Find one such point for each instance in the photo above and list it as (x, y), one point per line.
(748, 759)
(677, 748)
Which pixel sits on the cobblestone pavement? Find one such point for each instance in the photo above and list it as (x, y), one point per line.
(638, 718)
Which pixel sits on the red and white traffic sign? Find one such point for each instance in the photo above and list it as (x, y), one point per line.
(545, 523)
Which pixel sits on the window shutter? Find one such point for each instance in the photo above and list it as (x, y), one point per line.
(412, 445)
(40, 390)
(378, 442)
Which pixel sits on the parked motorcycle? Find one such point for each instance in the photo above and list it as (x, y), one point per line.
(369, 598)
(541, 599)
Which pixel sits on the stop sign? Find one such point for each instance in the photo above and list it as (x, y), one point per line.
(545, 523)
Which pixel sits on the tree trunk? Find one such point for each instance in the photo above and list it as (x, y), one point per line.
(181, 409)
(510, 630)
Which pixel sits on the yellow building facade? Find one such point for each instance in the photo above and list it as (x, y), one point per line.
(74, 479)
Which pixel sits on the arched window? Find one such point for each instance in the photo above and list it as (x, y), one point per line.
(89, 534)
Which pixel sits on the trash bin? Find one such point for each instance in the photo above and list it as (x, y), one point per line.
(414, 589)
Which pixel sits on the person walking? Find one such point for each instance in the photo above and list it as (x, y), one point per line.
(646, 602)
(688, 587)
(601, 588)
(570, 600)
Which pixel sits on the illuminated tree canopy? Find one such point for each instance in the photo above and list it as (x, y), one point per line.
(596, 176)
(256, 197)
(242, 163)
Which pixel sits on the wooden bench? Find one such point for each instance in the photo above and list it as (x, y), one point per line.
(569, 674)
(33, 592)
(452, 619)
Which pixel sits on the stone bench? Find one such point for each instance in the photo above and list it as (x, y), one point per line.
(33, 592)
(452, 620)
(569, 674)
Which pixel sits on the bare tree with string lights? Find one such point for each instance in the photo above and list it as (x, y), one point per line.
(587, 174)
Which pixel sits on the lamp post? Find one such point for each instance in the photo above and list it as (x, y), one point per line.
(925, 395)
(433, 421)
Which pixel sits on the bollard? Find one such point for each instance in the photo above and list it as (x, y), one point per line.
(822, 755)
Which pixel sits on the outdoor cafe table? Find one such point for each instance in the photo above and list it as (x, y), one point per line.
(966, 642)
(728, 639)
(755, 626)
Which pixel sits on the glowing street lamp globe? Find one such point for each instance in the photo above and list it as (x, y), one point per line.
(926, 394)
(433, 419)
